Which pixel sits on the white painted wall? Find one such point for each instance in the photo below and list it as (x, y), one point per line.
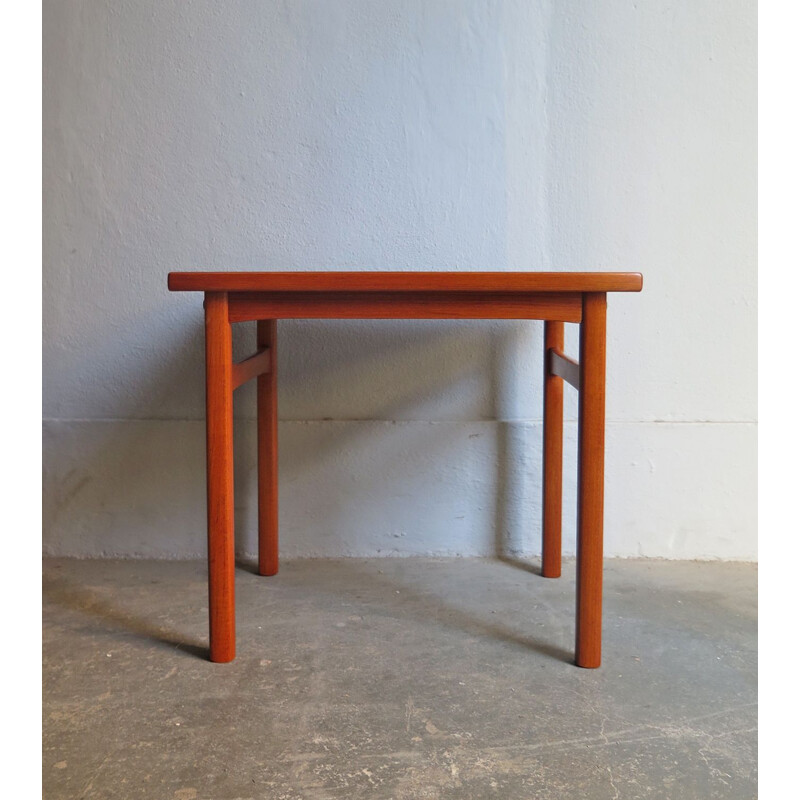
(412, 134)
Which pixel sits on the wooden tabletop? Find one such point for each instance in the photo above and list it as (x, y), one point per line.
(405, 281)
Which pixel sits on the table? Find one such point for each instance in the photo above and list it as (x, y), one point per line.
(266, 297)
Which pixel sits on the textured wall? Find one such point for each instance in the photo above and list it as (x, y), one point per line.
(399, 135)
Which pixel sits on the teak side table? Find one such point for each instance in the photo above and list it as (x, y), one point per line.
(266, 297)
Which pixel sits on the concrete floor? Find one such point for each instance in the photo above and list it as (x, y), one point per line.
(398, 678)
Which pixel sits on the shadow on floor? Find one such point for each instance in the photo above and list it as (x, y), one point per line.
(353, 576)
(423, 606)
(74, 597)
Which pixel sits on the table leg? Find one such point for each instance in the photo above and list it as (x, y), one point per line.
(219, 466)
(552, 455)
(267, 332)
(591, 450)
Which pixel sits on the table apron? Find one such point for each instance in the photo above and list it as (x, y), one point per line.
(560, 306)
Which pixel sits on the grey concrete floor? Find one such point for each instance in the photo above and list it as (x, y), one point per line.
(398, 678)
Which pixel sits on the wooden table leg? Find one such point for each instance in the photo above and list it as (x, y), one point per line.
(591, 453)
(219, 466)
(267, 332)
(552, 455)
